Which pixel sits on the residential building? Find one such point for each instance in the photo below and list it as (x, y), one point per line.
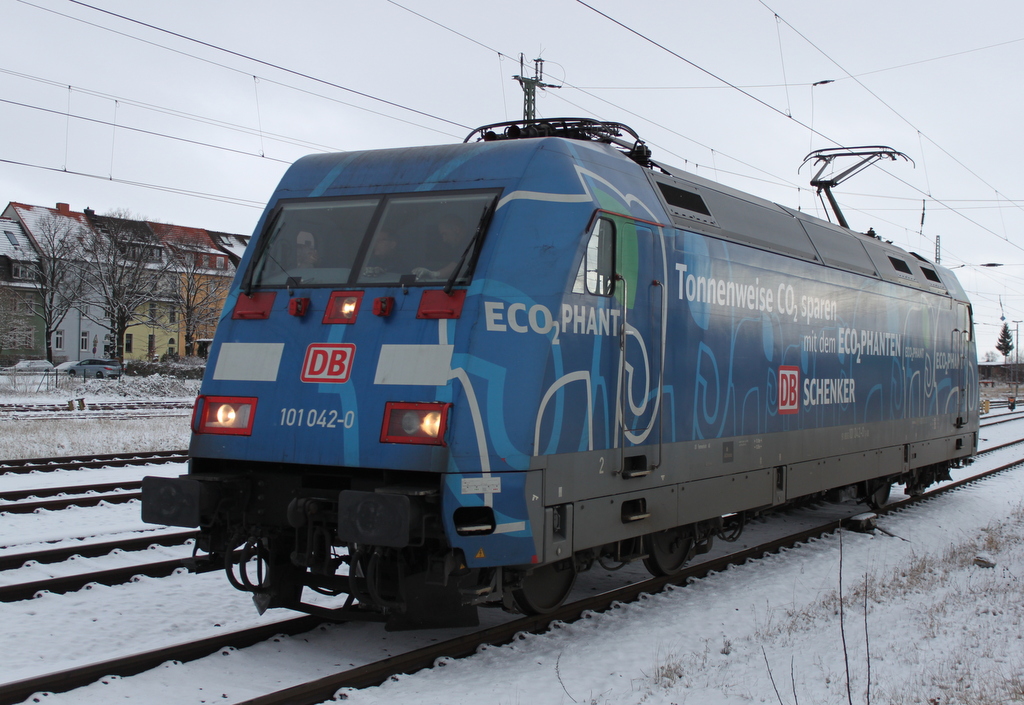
(21, 333)
(162, 285)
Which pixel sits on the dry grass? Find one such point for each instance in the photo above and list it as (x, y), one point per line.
(46, 439)
(963, 641)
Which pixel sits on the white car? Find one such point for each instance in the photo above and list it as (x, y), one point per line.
(29, 367)
(97, 368)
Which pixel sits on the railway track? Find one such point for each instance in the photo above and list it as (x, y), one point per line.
(82, 405)
(377, 672)
(93, 550)
(15, 501)
(1005, 417)
(116, 576)
(80, 410)
(85, 462)
(113, 576)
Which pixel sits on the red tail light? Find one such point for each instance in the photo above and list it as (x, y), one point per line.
(422, 423)
(231, 416)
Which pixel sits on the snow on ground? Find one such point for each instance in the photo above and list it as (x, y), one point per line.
(75, 433)
(917, 608)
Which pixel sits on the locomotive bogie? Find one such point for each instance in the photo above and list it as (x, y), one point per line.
(460, 375)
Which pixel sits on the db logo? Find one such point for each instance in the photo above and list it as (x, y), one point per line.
(328, 362)
(789, 390)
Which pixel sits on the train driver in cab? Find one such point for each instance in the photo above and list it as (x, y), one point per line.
(306, 255)
(385, 256)
(445, 251)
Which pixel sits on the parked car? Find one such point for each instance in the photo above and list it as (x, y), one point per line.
(28, 367)
(92, 368)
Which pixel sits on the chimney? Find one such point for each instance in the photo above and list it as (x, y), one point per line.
(89, 212)
(63, 208)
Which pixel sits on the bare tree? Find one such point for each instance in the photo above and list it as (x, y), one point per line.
(57, 272)
(199, 295)
(128, 270)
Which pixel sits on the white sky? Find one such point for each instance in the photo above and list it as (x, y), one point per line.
(938, 81)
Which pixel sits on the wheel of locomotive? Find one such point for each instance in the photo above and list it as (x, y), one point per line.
(880, 496)
(544, 589)
(667, 551)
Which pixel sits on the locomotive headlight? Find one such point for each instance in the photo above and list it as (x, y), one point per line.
(224, 415)
(422, 423)
(343, 307)
(431, 424)
(417, 422)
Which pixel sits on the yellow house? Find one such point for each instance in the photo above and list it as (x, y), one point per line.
(177, 322)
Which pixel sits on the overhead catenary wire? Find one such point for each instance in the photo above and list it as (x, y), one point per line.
(949, 205)
(247, 74)
(269, 64)
(233, 200)
(783, 113)
(467, 38)
(172, 112)
(895, 112)
(113, 124)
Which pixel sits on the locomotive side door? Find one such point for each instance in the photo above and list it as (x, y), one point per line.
(962, 337)
(640, 295)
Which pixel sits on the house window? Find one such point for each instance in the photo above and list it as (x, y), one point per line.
(152, 312)
(220, 262)
(151, 348)
(84, 344)
(172, 316)
(127, 342)
(58, 340)
(20, 270)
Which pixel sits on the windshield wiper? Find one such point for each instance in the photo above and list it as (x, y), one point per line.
(481, 227)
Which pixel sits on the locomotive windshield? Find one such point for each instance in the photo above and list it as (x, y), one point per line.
(373, 241)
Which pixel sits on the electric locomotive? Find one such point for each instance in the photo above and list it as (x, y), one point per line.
(454, 376)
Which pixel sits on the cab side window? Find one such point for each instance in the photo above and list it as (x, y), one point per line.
(597, 271)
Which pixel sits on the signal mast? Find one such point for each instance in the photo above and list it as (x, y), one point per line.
(530, 86)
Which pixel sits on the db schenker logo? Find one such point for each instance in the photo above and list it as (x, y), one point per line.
(328, 362)
(789, 390)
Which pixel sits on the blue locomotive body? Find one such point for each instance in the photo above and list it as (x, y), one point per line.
(457, 375)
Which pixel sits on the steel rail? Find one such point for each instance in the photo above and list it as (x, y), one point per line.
(102, 415)
(70, 583)
(87, 462)
(39, 492)
(996, 420)
(93, 405)
(85, 500)
(62, 681)
(13, 561)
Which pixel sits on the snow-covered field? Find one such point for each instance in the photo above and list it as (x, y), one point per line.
(76, 433)
(929, 609)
